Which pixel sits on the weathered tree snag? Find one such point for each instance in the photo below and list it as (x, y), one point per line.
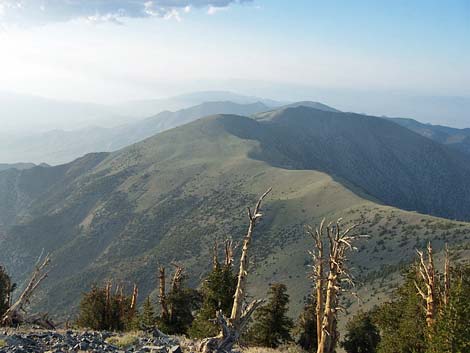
(231, 328)
(229, 249)
(446, 294)
(177, 277)
(215, 255)
(109, 286)
(15, 315)
(175, 285)
(228, 336)
(428, 273)
(243, 271)
(162, 295)
(338, 275)
(318, 272)
(135, 293)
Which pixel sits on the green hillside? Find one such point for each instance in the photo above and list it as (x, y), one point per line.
(116, 216)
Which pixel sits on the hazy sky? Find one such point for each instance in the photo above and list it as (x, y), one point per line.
(103, 50)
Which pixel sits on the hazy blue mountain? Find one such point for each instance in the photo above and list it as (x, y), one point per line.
(310, 104)
(18, 166)
(307, 104)
(455, 138)
(59, 146)
(144, 108)
(117, 215)
(25, 115)
(441, 110)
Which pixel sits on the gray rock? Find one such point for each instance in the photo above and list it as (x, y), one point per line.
(175, 349)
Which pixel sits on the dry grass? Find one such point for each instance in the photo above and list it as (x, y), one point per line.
(282, 349)
(123, 342)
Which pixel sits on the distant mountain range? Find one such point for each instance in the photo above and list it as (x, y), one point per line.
(97, 128)
(145, 108)
(19, 166)
(456, 138)
(59, 146)
(24, 115)
(117, 215)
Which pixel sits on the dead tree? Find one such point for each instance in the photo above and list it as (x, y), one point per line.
(176, 281)
(229, 248)
(446, 294)
(332, 277)
(215, 255)
(232, 327)
(135, 293)
(16, 313)
(162, 294)
(318, 275)
(428, 273)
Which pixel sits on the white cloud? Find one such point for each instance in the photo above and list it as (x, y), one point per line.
(212, 10)
(47, 11)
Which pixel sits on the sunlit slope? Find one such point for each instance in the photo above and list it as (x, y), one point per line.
(117, 216)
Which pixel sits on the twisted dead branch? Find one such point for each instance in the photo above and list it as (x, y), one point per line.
(231, 328)
(428, 273)
(16, 313)
(332, 277)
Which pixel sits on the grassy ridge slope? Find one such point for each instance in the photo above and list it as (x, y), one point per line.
(118, 215)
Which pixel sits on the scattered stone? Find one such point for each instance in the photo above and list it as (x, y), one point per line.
(175, 349)
(70, 341)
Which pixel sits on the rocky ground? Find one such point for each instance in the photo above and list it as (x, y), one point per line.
(76, 341)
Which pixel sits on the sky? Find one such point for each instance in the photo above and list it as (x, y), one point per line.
(110, 51)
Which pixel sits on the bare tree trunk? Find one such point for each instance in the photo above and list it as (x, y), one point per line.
(318, 275)
(327, 298)
(135, 293)
(446, 296)
(162, 296)
(175, 286)
(14, 315)
(244, 261)
(215, 255)
(231, 328)
(177, 277)
(229, 248)
(9, 291)
(428, 273)
(109, 286)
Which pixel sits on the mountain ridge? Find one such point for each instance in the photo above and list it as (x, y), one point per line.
(453, 137)
(117, 215)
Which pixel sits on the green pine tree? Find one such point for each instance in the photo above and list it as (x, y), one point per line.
(306, 327)
(96, 313)
(6, 289)
(183, 302)
(362, 336)
(217, 292)
(272, 325)
(92, 311)
(147, 319)
(451, 333)
(401, 321)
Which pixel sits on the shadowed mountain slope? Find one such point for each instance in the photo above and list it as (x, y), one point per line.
(117, 215)
(455, 138)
